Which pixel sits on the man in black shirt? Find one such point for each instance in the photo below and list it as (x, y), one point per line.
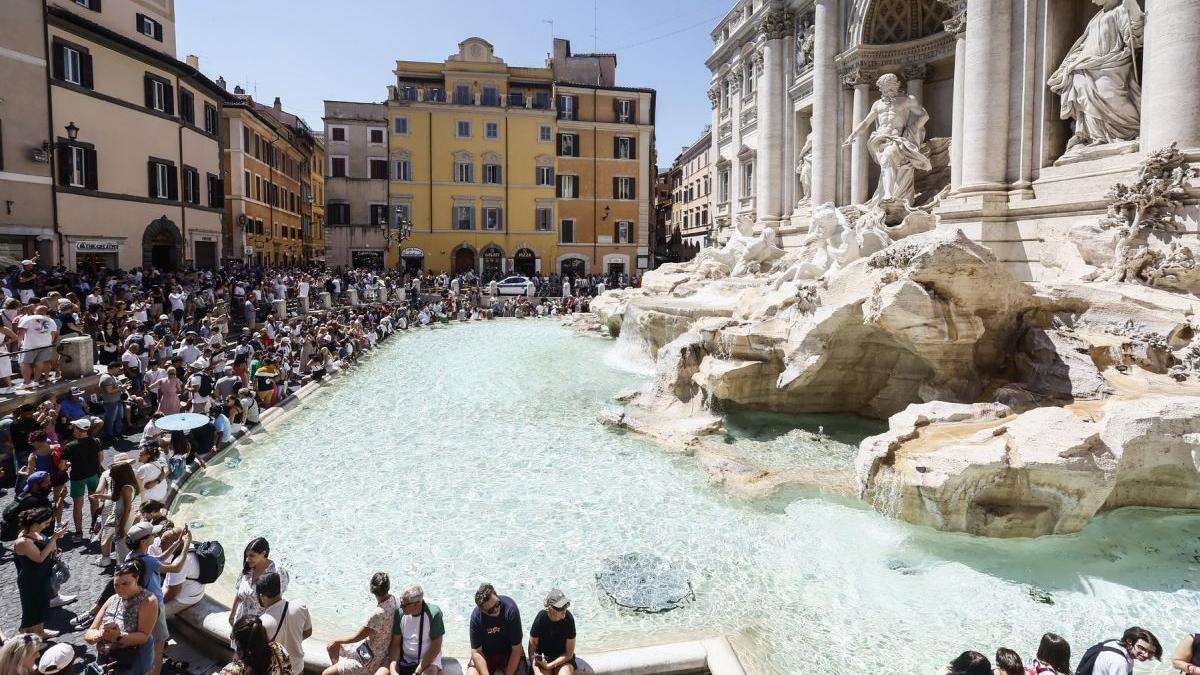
(495, 635)
(86, 456)
(26, 422)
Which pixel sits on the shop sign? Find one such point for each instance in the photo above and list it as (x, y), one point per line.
(247, 251)
(412, 253)
(98, 246)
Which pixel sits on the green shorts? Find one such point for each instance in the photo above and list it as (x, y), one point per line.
(81, 487)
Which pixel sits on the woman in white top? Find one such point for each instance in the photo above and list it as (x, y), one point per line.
(152, 474)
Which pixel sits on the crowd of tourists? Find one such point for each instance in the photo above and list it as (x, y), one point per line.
(1110, 657)
(210, 342)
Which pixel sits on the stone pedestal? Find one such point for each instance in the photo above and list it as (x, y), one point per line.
(398, 294)
(77, 357)
(986, 95)
(1171, 83)
(279, 307)
(825, 99)
(352, 297)
(326, 300)
(304, 305)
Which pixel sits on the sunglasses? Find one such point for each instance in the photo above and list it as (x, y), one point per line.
(495, 609)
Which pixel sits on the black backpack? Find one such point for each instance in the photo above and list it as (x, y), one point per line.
(9, 526)
(206, 385)
(1088, 663)
(211, 557)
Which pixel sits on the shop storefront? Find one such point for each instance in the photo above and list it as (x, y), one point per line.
(525, 262)
(412, 260)
(91, 255)
(493, 263)
(369, 259)
(204, 251)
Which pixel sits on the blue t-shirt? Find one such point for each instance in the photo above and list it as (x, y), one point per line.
(153, 580)
(71, 408)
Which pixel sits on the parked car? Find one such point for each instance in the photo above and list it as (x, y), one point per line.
(514, 285)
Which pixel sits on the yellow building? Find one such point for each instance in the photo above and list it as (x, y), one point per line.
(314, 236)
(471, 161)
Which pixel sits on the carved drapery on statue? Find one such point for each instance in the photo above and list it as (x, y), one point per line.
(1098, 79)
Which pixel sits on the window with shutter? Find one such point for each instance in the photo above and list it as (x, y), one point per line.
(210, 119)
(172, 183)
(91, 180)
(168, 99)
(567, 232)
(78, 166)
(152, 178)
(71, 65)
(187, 106)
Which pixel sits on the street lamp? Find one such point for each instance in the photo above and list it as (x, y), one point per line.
(72, 130)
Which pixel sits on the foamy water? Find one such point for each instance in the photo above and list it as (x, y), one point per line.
(472, 454)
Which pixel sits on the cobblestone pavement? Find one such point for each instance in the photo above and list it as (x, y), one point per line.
(86, 583)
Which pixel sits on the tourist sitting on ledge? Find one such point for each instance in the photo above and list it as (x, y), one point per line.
(417, 630)
(495, 635)
(1116, 657)
(286, 621)
(366, 652)
(552, 637)
(968, 663)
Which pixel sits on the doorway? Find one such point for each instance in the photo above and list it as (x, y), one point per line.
(493, 264)
(524, 262)
(464, 260)
(206, 254)
(162, 245)
(572, 267)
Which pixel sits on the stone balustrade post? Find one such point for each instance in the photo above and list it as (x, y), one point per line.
(78, 356)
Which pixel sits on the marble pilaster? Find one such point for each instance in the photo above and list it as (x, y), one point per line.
(860, 159)
(986, 96)
(826, 90)
(914, 77)
(957, 26)
(1171, 83)
(776, 28)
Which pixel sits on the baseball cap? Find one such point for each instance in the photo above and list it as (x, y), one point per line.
(26, 262)
(163, 317)
(76, 391)
(199, 364)
(82, 423)
(56, 659)
(557, 599)
(139, 531)
(37, 477)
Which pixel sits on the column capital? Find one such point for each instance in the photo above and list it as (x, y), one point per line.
(777, 24)
(735, 83)
(858, 77)
(915, 71)
(714, 96)
(758, 58)
(956, 25)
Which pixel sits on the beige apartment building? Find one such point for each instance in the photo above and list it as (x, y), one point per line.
(135, 139)
(692, 207)
(26, 188)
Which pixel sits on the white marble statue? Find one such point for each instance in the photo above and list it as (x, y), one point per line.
(830, 245)
(760, 254)
(804, 167)
(713, 262)
(1098, 79)
(896, 142)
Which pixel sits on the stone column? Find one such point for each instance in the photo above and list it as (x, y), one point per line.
(352, 297)
(986, 96)
(776, 28)
(1171, 82)
(304, 304)
(915, 74)
(825, 102)
(326, 300)
(957, 26)
(860, 160)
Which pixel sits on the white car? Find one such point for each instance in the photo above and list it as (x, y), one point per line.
(512, 285)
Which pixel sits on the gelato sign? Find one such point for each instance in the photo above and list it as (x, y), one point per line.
(98, 246)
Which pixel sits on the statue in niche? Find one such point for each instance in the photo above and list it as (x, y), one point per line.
(895, 145)
(1098, 79)
(804, 167)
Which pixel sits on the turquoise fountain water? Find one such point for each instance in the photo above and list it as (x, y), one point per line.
(471, 453)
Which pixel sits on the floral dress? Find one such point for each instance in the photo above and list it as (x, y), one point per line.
(248, 596)
(379, 624)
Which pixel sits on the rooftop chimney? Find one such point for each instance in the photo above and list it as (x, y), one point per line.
(221, 82)
(237, 89)
(193, 61)
(278, 105)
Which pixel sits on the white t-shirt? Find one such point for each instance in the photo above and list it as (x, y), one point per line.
(303, 289)
(177, 300)
(192, 591)
(39, 331)
(150, 472)
(1109, 663)
(132, 360)
(291, 634)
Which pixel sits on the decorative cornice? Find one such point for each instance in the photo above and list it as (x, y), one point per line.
(777, 24)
